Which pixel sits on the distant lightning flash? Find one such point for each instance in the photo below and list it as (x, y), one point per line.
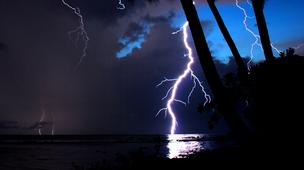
(256, 36)
(121, 6)
(53, 124)
(174, 89)
(80, 31)
(41, 122)
(298, 46)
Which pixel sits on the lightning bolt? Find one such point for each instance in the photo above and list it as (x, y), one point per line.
(174, 89)
(172, 92)
(53, 124)
(41, 122)
(121, 6)
(256, 36)
(80, 31)
(249, 3)
(298, 46)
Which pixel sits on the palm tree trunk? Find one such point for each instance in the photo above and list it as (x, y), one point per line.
(258, 6)
(239, 61)
(202, 48)
(219, 92)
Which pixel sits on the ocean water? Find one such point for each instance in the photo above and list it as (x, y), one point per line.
(63, 152)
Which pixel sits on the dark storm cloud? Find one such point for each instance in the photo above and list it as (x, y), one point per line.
(158, 19)
(2, 46)
(106, 94)
(137, 31)
(208, 26)
(40, 125)
(9, 125)
(133, 31)
(105, 11)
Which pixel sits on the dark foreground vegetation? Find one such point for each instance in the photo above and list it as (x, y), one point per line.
(271, 123)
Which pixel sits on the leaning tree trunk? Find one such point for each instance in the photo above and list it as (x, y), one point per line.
(219, 92)
(258, 6)
(239, 61)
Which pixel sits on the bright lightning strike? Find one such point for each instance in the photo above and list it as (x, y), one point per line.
(121, 6)
(172, 92)
(256, 36)
(80, 31)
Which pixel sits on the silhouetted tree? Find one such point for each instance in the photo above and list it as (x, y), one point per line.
(220, 93)
(282, 55)
(258, 6)
(239, 61)
(290, 52)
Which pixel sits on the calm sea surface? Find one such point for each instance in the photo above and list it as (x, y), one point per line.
(61, 152)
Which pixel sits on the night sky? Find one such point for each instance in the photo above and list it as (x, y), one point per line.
(129, 52)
